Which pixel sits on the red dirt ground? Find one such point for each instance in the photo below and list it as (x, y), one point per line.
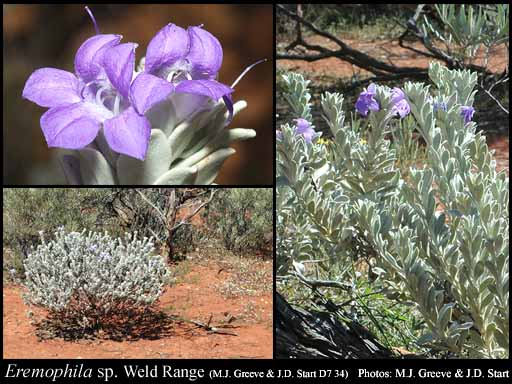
(385, 50)
(194, 297)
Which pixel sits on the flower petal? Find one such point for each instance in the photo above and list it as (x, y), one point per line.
(305, 129)
(50, 87)
(169, 44)
(402, 108)
(128, 133)
(87, 61)
(119, 63)
(205, 53)
(148, 90)
(397, 95)
(229, 105)
(210, 88)
(373, 105)
(70, 126)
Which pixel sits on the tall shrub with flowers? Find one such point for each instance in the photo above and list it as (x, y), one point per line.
(438, 238)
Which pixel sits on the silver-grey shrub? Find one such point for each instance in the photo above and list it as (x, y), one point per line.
(87, 279)
(438, 238)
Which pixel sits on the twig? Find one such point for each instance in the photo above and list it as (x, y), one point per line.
(312, 283)
(207, 327)
(161, 216)
(182, 222)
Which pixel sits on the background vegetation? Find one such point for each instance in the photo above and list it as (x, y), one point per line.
(164, 213)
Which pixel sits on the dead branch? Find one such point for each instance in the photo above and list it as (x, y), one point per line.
(345, 52)
(211, 329)
(196, 211)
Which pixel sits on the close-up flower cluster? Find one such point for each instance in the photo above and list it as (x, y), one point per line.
(161, 122)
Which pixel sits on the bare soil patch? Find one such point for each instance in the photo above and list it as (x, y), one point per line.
(198, 294)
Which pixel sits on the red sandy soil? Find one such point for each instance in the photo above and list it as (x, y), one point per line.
(194, 297)
(501, 146)
(384, 50)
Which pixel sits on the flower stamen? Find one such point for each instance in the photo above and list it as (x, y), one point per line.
(93, 20)
(117, 100)
(247, 70)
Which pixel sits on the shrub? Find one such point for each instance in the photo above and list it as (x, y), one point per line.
(241, 217)
(85, 280)
(438, 238)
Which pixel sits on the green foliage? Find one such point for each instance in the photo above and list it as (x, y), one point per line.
(29, 210)
(463, 29)
(351, 20)
(241, 217)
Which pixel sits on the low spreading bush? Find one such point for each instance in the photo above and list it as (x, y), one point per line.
(88, 280)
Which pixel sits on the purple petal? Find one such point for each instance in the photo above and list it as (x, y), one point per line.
(304, 128)
(402, 108)
(128, 133)
(148, 90)
(210, 88)
(362, 106)
(88, 58)
(373, 105)
(229, 105)
(50, 87)
(205, 53)
(372, 89)
(397, 95)
(169, 44)
(467, 113)
(70, 126)
(119, 63)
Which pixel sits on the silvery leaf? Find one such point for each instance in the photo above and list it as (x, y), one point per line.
(179, 176)
(71, 166)
(222, 140)
(94, 168)
(104, 148)
(183, 133)
(209, 167)
(157, 162)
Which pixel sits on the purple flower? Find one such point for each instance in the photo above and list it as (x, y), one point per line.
(467, 113)
(304, 128)
(105, 91)
(96, 95)
(279, 135)
(440, 105)
(366, 101)
(104, 256)
(400, 104)
(181, 61)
